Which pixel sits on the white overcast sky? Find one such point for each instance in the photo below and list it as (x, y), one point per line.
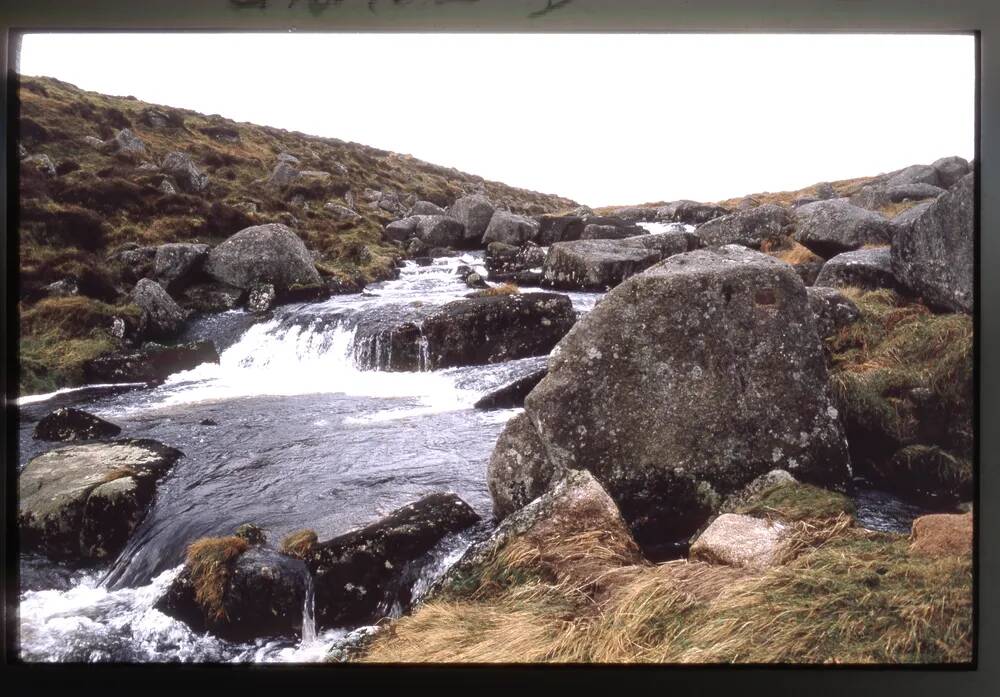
(600, 118)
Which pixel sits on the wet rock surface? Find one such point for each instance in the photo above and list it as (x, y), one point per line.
(82, 502)
(68, 423)
(151, 363)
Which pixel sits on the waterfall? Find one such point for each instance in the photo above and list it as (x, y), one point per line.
(309, 612)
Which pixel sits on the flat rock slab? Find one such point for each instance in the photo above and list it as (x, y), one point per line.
(741, 540)
(83, 501)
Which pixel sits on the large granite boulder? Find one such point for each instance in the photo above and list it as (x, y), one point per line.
(603, 264)
(502, 261)
(439, 231)
(402, 230)
(162, 318)
(862, 268)
(749, 227)
(915, 174)
(178, 263)
(270, 253)
(475, 213)
(81, 502)
(876, 196)
(125, 143)
(691, 212)
(934, 256)
(151, 363)
(263, 595)
(427, 208)
(830, 227)
(68, 423)
(559, 228)
(670, 410)
(510, 228)
(358, 575)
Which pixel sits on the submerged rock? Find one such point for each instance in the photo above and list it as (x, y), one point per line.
(151, 363)
(68, 423)
(742, 540)
(82, 502)
(862, 268)
(671, 410)
(934, 256)
(831, 227)
(270, 253)
(357, 574)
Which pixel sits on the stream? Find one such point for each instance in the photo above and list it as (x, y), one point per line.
(286, 432)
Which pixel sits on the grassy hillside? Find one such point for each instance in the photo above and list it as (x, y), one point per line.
(74, 219)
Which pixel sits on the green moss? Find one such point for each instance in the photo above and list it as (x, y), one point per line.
(798, 501)
(929, 469)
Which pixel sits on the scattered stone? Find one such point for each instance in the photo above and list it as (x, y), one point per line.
(125, 142)
(474, 212)
(741, 540)
(82, 502)
(341, 212)
(934, 256)
(270, 253)
(828, 228)
(863, 268)
(182, 168)
(510, 229)
(750, 227)
(68, 423)
(178, 263)
(283, 174)
(626, 383)
(162, 318)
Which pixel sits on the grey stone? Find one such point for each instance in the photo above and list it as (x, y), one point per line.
(162, 317)
(182, 168)
(862, 268)
(270, 253)
(510, 229)
(750, 228)
(830, 227)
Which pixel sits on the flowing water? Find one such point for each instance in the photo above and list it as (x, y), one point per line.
(289, 430)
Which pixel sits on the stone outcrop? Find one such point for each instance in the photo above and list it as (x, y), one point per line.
(474, 212)
(737, 354)
(82, 502)
(934, 256)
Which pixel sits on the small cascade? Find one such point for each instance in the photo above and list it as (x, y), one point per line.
(423, 356)
(309, 612)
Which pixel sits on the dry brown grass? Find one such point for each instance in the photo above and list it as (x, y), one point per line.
(789, 251)
(849, 596)
(503, 289)
(210, 561)
(298, 544)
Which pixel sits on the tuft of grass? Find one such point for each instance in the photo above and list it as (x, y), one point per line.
(492, 291)
(789, 251)
(894, 347)
(299, 543)
(849, 597)
(210, 562)
(797, 502)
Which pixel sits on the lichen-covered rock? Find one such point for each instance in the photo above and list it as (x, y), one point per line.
(503, 260)
(831, 227)
(68, 423)
(878, 195)
(125, 143)
(742, 540)
(178, 263)
(427, 208)
(82, 502)
(401, 230)
(261, 298)
(914, 174)
(264, 596)
(439, 230)
(519, 470)
(210, 297)
(833, 310)
(513, 393)
(162, 317)
(575, 504)
(284, 173)
(910, 215)
(737, 354)
(510, 228)
(357, 575)
(950, 170)
(475, 213)
(603, 264)
(934, 256)
(185, 172)
(691, 212)
(862, 268)
(750, 227)
(559, 228)
(270, 253)
(151, 363)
